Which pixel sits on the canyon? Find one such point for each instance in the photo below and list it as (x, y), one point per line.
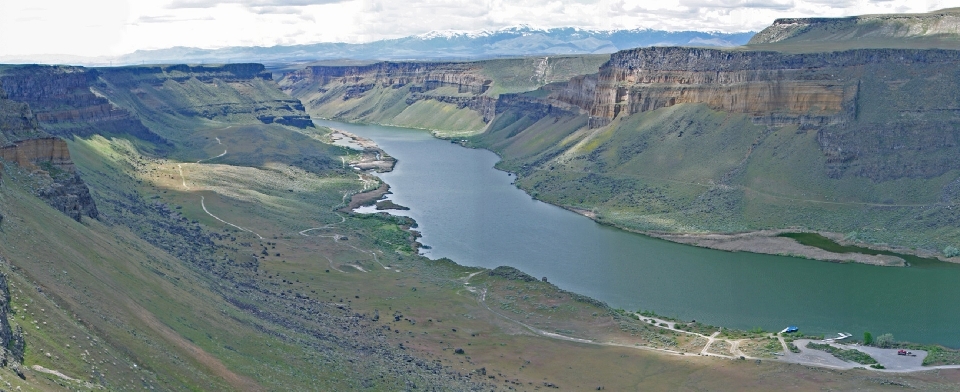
(181, 227)
(878, 118)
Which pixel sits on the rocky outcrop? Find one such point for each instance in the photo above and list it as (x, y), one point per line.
(773, 87)
(64, 104)
(70, 195)
(461, 84)
(17, 121)
(812, 90)
(12, 345)
(881, 114)
(64, 190)
(28, 153)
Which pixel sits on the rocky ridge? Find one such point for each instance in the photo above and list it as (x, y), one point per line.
(943, 23)
(64, 104)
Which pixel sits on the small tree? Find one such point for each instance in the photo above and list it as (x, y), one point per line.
(867, 338)
(884, 341)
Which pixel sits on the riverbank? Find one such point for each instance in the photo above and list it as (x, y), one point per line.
(771, 242)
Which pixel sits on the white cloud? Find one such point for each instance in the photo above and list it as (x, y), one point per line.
(110, 27)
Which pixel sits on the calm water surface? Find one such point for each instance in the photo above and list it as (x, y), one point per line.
(471, 213)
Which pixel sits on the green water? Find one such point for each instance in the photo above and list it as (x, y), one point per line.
(472, 213)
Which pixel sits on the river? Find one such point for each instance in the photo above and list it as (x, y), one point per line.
(472, 213)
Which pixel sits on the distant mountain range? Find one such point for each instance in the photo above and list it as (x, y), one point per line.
(508, 42)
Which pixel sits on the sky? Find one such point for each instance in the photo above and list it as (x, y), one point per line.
(115, 27)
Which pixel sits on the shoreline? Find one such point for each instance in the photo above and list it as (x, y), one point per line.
(768, 242)
(759, 241)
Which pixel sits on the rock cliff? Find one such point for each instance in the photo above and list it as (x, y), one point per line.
(28, 153)
(61, 186)
(853, 98)
(32, 149)
(775, 88)
(65, 105)
(161, 94)
(17, 121)
(427, 94)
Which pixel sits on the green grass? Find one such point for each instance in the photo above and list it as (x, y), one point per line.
(819, 241)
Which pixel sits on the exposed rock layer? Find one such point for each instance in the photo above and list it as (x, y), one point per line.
(28, 153)
(64, 104)
(775, 88)
(209, 92)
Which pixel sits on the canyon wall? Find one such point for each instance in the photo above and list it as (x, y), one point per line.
(29, 152)
(219, 93)
(64, 104)
(774, 88)
(465, 77)
(60, 184)
(443, 96)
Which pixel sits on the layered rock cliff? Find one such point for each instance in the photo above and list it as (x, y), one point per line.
(60, 185)
(65, 105)
(760, 84)
(28, 153)
(444, 96)
(166, 95)
(822, 91)
(25, 145)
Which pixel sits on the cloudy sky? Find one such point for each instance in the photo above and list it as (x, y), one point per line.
(113, 27)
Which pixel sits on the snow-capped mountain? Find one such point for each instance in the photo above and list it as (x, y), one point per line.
(439, 45)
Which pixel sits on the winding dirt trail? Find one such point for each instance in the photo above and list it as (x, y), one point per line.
(202, 204)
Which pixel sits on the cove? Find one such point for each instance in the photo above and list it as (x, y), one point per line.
(472, 213)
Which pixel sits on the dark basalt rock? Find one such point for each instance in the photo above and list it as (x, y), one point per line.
(70, 195)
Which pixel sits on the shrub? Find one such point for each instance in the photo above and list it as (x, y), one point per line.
(884, 341)
(951, 251)
(867, 338)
